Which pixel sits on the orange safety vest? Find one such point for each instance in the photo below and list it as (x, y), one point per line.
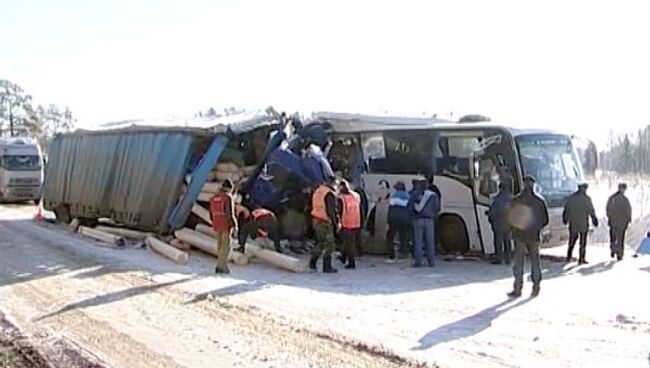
(318, 208)
(220, 222)
(351, 214)
(262, 212)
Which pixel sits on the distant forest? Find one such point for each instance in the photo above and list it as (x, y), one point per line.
(628, 154)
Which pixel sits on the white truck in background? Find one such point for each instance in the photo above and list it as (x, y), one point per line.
(21, 170)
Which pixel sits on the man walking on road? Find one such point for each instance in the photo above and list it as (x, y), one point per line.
(325, 221)
(577, 211)
(528, 216)
(619, 216)
(222, 211)
(499, 221)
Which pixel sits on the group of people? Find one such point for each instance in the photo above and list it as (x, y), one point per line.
(230, 218)
(413, 216)
(579, 209)
(523, 217)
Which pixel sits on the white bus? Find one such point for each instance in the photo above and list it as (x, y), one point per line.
(21, 170)
(467, 160)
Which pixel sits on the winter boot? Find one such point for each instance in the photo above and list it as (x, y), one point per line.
(312, 263)
(327, 265)
(514, 294)
(535, 292)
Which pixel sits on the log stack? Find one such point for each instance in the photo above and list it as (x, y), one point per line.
(239, 175)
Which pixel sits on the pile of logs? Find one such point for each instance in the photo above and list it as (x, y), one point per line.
(202, 238)
(239, 175)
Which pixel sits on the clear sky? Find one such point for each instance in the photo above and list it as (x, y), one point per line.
(582, 65)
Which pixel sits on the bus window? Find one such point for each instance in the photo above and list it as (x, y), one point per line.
(346, 158)
(453, 154)
(408, 153)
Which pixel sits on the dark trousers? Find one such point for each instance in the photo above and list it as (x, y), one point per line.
(503, 245)
(617, 241)
(350, 240)
(573, 238)
(266, 224)
(404, 230)
(521, 250)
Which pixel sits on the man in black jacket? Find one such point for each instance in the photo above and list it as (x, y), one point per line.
(528, 216)
(619, 216)
(577, 211)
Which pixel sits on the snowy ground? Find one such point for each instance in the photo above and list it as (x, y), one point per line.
(131, 307)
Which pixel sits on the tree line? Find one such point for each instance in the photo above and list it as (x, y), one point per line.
(19, 117)
(628, 154)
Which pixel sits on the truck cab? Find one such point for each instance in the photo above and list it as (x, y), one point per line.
(21, 170)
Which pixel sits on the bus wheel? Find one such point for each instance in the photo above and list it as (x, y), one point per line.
(452, 234)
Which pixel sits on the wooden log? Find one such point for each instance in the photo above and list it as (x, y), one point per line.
(166, 250)
(248, 170)
(179, 244)
(227, 167)
(206, 230)
(127, 233)
(205, 196)
(211, 188)
(106, 221)
(208, 245)
(112, 239)
(233, 176)
(202, 213)
(73, 226)
(276, 259)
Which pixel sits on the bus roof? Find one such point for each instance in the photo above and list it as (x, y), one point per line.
(357, 123)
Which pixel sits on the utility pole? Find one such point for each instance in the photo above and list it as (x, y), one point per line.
(11, 120)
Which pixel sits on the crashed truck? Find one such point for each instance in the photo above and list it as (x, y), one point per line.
(467, 161)
(149, 175)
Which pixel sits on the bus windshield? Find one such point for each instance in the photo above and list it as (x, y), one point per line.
(553, 161)
(23, 162)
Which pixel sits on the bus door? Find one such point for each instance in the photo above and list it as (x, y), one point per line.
(489, 169)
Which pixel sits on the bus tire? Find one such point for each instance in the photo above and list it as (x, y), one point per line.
(453, 234)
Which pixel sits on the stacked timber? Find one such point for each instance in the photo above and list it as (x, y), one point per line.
(238, 174)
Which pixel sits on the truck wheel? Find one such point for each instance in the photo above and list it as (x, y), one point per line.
(453, 234)
(62, 213)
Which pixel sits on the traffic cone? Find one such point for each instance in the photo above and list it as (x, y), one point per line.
(39, 214)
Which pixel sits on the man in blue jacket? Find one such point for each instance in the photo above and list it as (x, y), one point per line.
(424, 205)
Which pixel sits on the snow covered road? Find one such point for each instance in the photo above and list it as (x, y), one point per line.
(131, 308)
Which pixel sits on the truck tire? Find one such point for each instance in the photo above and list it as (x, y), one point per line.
(452, 234)
(62, 213)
